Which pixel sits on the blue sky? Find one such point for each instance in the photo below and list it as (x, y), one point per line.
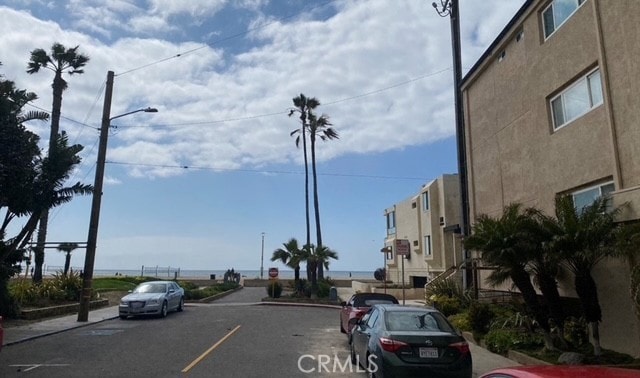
(222, 75)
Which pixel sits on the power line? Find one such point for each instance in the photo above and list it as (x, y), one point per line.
(204, 168)
(234, 119)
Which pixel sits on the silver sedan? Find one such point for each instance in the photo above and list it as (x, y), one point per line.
(152, 298)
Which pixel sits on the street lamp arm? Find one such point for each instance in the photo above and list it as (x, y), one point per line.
(445, 5)
(146, 110)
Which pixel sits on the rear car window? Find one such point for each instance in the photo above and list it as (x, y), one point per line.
(416, 321)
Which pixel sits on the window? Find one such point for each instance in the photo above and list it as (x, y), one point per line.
(389, 255)
(427, 245)
(582, 96)
(391, 223)
(585, 197)
(425, 201)
(502, 55)
(557, 13)
(520, 35)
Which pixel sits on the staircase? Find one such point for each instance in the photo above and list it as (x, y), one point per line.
(441, 277)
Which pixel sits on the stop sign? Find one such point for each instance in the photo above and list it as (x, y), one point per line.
(273, 272)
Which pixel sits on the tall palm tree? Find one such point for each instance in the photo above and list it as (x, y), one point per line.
(318, 128)
(323, 254)
(507, 245)
(584, 237)
(62, 60)
(290, 255)
(67, 248)
(304, 106)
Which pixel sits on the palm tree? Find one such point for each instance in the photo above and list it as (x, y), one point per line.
(290, 255)
(584, 237)
(62, 60)
(47, 190)
(304, 106)
(67, 248)
(318, 128)
(59, 61)
(546, 268)
(507, 245)
(628, 247)
(323, 254)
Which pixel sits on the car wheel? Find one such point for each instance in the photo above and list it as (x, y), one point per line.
(181, 305)
(163, 311)
(354, 358)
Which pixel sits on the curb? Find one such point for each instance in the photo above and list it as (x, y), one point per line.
(294, 304)
(218, 296)
(80, 325)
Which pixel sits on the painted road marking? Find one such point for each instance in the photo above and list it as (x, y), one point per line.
(203, 355)
(35, 366)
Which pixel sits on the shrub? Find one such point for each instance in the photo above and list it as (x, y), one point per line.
(501, 340)
(69, 285)
(460, 321)
(446, 305)
(324, 286)
(274, 289)
(576, 331)
(480, 316)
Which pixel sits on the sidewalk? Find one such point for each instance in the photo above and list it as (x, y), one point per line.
(21, 333)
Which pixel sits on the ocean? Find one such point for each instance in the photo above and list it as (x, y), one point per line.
(171, 272)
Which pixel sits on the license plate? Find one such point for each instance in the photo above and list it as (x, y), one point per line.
(428, 352)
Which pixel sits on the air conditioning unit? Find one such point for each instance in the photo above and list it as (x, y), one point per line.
(441, 221)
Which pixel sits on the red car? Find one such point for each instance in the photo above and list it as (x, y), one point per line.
(358, 305)
(561, 371)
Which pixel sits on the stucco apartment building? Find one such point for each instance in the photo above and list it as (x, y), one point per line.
(553, 107)
(428, 220)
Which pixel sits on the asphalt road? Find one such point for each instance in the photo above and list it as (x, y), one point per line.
(228, 338)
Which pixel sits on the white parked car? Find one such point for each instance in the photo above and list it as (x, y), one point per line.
(152, 298)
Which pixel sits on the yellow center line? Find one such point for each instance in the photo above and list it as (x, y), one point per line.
(203, 355)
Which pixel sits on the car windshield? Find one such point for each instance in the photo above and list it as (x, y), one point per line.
(369, 300)
(151, 288)
(416, 321)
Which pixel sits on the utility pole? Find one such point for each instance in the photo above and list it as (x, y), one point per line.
(85, 295)
(262, 259)
(450, 8)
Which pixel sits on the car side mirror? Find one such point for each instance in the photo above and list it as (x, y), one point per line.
(343, 304)
(172, 291)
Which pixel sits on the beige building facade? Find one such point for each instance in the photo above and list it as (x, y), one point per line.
(553, 107)
(428, 220)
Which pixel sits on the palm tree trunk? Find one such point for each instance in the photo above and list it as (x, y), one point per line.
(549, 289)
(588, 293)
(56, 108)
(316, 205)
(67, 262)
(38, 251)
(522, 281)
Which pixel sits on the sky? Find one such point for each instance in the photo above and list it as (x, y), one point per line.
(196, 185)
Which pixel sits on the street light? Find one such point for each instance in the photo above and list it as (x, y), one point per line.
(262, 259)
(85, 296)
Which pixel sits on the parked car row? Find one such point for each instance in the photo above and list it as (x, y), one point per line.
(390, 340)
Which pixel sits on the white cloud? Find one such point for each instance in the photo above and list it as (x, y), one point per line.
(208, 98)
